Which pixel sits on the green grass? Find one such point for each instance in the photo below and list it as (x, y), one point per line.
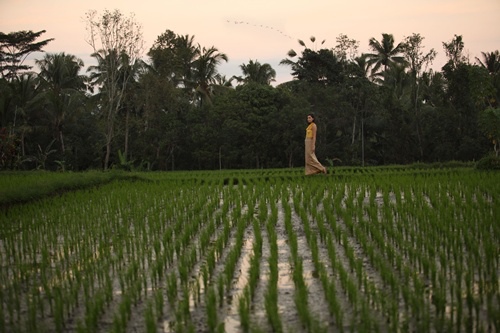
(21, 187)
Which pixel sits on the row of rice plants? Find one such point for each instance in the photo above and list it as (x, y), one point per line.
(447, 218)
(392, 251)
(271, 295)
(224, 277)
(421, 268)
(74, 251)
(346, 270)
(246, 297)
(409, 275)
(215, 252)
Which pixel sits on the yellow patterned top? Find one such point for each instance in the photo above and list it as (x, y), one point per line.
(309, 131)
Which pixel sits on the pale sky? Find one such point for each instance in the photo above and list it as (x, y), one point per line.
(265, 30)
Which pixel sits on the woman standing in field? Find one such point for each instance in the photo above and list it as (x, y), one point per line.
(312, 164)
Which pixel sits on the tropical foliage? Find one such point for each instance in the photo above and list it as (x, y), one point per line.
(15, 47)
(172, 109)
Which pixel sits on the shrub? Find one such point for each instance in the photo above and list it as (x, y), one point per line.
(490, 162)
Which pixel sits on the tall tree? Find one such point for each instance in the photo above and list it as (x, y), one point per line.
(386, 53)
(315, 66)
(186, 52)
(132, 101)
(191, 67)
(205, 72)
(489, 123)
(257, 73)
(469, 89)
(62, 90)
(361, 95)
(399, 135)
(15, 47)
(117, 42)
(417, 61)
(361, 65)
(454, 50)
(346, 48)
(169, 91)
(320, 66)
(163, 57)
(17, 106)
(491, 61)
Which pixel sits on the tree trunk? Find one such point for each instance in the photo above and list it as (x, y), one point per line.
(417, 120)
(23, 149)
(353, 130)
(109, 139)
(61, 138)
(362, 140)
(127, 115)
(220, 158)
(108, 153)
(173, 162)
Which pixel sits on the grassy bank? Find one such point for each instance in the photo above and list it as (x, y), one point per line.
(21, 187)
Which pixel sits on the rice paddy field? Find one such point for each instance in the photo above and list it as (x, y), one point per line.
(388, 249)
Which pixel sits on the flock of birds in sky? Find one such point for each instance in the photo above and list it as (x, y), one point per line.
(261, 26)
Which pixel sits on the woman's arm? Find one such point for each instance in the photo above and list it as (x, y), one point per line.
(313, 137)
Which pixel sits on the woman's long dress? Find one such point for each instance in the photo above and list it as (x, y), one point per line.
(313, 166)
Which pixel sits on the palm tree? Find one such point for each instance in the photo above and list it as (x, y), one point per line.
(108, 77)
(62, 89)
(491, 61)
(205, 74)
(125, 77)
(492, 65)
(361, 65)
(385, 54)
(188, 66)
(398, 82)
(18, 106)
(186, 52)
(257, 72)
(223, 81)
(359, 77)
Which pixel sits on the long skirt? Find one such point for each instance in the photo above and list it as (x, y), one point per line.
(312, 164)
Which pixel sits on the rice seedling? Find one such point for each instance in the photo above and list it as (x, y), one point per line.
(271, 295)
(393, 249)
(244, 310)
(150, 318)
(212, 319)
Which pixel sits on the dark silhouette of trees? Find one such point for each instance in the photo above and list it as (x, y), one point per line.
(15, 47)
(174, 110)
(256, 72)
(117, 43)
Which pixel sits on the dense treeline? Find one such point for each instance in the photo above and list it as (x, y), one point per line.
(172, 110)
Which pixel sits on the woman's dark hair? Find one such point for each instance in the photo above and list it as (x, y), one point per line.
(312, 116)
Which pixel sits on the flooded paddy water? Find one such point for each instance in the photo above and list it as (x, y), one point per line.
(259, 251)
